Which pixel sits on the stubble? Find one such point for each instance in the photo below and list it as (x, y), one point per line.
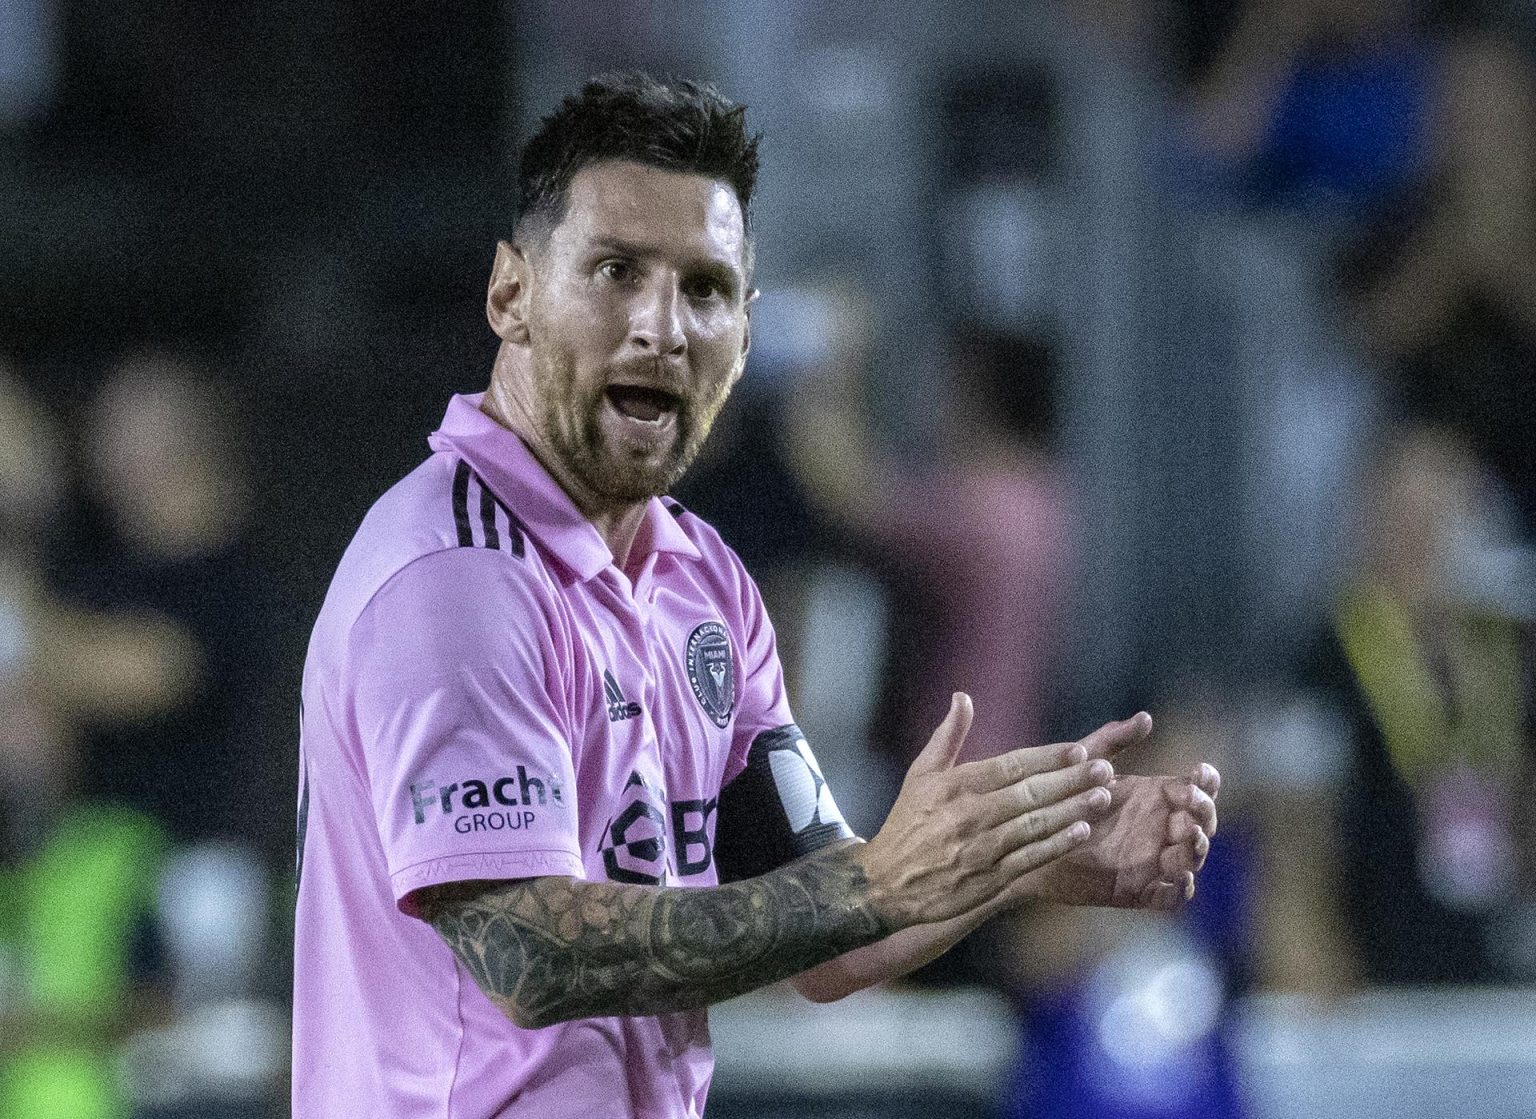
(571, 428)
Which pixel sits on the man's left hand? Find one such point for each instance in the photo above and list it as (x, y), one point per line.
(1145, 848)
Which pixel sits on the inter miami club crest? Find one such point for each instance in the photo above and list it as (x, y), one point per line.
(710, 671)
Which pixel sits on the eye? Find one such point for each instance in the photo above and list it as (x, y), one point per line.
(616, 270)
(702, 288)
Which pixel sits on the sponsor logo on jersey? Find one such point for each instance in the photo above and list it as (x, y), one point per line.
(509, 803)
(650, 838)
(711, 672)
(619, 708)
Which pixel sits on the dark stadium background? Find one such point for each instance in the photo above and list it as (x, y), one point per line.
(1112, 353)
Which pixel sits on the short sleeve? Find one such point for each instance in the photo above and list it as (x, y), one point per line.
(775, 805)
(763, 704)
(459, 698)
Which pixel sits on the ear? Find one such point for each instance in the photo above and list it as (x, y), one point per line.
(746, 333)
(506, 299)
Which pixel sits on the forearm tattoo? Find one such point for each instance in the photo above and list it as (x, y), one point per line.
(551, 949)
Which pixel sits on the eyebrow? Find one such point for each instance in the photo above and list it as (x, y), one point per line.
(712, 266)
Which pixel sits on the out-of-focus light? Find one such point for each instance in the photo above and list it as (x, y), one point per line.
(213, 918)
(28, 59)
(793, 328)
(1154, 1022)
(226, 1051)
(849, 81)
(15, 633)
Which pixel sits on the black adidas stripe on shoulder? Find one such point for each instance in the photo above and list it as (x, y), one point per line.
(487, 506)
(461, 504)
(674, 507)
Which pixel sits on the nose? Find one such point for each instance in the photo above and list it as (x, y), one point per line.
(655, 322)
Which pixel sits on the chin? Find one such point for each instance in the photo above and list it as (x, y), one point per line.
(620, 478)
(633, 482)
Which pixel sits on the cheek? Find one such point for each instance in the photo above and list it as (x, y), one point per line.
(577, 357)
(719, 345)
(580, 320)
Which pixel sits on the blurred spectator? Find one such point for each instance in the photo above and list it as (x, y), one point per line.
(111, 667)
(1322, 104)
(979, 537)
(1435, 692)
(166, 533)
(1420, 142)
(79, 965)
(78, 962)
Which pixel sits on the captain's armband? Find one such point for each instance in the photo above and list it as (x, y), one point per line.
(777, 810)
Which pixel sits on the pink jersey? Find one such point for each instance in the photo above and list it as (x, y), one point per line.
(487, 695)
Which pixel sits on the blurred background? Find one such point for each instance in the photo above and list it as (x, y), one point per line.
(1173, 354)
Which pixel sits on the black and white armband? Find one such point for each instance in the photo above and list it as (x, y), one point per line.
(777, 809)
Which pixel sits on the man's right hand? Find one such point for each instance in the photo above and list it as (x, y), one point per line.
(959, 842)
(961, 838)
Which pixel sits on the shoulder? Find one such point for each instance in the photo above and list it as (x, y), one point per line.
(438, 534)
(719, 558)
(725, 578)
(440, 506)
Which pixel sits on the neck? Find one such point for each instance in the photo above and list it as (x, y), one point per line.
(617, 523)
(619, 528)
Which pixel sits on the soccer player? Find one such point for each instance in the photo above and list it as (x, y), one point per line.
(553, 801)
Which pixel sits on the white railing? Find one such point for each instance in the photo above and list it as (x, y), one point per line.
(1408, 1054)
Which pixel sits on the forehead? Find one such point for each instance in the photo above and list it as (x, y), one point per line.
(669, 212)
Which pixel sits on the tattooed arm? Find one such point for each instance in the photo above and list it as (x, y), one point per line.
(548, 950)
(959, 842)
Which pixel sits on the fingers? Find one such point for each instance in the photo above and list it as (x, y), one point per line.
(1204, 776)
(991, 774)
(1199, 804)
(1043, 789)
(1024, 859)
(1189, 848)
(1202, 850)
(1170, 895)
(944, 746)
(1031, 827)
(1016, 765)
(1111, 738)
(1191, 824)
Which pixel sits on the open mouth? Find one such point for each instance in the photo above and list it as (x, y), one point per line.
(638, 402)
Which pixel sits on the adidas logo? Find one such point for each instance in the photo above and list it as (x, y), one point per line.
(619, 708)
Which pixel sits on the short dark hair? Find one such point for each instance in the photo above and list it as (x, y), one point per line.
(673, 124)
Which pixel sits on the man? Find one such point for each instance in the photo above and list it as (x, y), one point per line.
(544, 717)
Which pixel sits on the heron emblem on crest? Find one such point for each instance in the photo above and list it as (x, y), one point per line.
(711, 671)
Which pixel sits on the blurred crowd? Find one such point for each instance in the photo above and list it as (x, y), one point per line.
(139, 910)
(1377, 815)
(167, 522)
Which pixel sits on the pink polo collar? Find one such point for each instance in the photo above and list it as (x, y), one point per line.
(506, 465)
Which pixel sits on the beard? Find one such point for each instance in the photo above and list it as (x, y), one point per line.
(570, 422)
